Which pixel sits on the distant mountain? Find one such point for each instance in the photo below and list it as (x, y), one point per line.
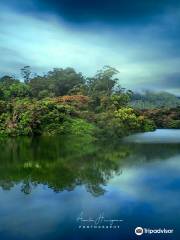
(150, 100)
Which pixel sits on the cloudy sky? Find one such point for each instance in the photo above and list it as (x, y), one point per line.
(139, 38)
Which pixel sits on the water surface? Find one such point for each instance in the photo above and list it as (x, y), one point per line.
(48, 184)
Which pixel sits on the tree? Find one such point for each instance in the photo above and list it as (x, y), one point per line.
(104, 81)
(10, 87)
(26, 73)
(57, 82)
(37, 85)
(19, 90)
(64, 80)
(6, 81)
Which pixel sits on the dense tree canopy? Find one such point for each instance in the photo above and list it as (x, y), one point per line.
(57, 82)
(64, 101)
(151, 100)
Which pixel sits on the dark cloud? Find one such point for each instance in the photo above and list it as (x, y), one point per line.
(168, 82)
(106, 11)
(171, 80)
(139, 36)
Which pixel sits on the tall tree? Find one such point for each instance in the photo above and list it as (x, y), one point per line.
(104, 81)
(26, 73)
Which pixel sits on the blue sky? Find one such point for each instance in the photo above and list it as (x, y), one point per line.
(139, 38)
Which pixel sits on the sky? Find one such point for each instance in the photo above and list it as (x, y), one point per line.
(139, 38)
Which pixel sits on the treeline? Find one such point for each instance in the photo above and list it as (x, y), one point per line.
(161, 107)
(59, 82)
(44, 160)
(164, 117)
(65, 102)
(153, 100)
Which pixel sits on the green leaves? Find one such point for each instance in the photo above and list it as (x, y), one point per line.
(43, 117)
(63, 102)
(122, 122)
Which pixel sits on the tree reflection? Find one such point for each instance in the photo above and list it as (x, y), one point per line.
(64, 163)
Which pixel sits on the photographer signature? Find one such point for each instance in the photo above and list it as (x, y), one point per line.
(100, 219)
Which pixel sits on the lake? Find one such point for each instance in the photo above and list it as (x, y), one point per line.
(67, 188)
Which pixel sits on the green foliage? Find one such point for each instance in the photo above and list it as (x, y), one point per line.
(151, 100)
(11, 88)
(101, 86)
(26, 73)
(43, 117)
(164, 118)
(104, 81)
(3, 106)
(81, 128)
(120, 100)
(19, 90)
(64, 102)
(148, 125)
(174, 124)
(122, 122)
(57, 82)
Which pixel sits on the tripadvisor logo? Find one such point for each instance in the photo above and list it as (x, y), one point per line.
(139, 231)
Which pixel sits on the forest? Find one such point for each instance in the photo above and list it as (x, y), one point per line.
(64, 102)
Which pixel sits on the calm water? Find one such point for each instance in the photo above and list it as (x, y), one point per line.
(50, 186)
